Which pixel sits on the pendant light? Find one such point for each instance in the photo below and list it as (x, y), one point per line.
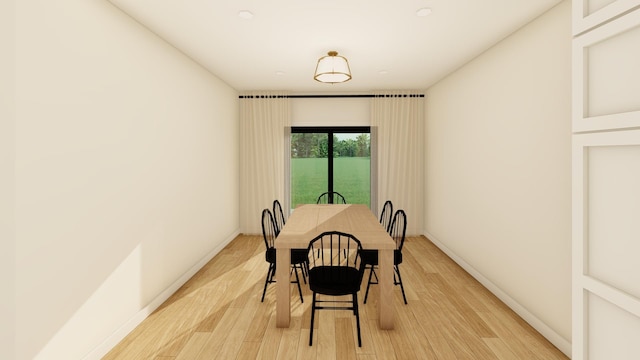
(332, 69)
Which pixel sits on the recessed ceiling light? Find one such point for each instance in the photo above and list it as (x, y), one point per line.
(245, 14)
(423, 12)
(280, 73)
(383, 72)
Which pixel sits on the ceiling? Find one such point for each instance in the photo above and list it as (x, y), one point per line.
(389, 47)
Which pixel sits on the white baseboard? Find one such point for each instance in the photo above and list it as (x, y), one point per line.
(126, 328)
(558, 341)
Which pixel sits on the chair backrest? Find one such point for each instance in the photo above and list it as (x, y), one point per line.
(335, 249)
(278, 216)
(268, 229)
(398, 228)
(331, 197)
(386, 215)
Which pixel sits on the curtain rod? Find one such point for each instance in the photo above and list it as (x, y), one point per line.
(327, 96)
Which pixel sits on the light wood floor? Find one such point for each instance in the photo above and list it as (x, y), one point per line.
(218, 315)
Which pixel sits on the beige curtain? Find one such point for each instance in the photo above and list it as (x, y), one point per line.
(263, 119)
(398, 119)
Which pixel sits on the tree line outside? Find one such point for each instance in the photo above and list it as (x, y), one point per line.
(312, 145)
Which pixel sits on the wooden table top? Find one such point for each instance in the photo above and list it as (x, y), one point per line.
(308, 221)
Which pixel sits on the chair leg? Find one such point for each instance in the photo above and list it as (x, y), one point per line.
(273, 273)
(303, 268)
(313, 315)
(268, 279)
(357, 313)
(371, 273)
(400, 283)
(306, 270)
(295, 269)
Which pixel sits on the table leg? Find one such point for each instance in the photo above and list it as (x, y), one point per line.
(385, 282)
(283, 297)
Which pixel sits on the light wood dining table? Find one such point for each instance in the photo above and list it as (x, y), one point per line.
(308, 221)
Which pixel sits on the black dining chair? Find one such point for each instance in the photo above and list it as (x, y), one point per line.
(278, 216)
(336, 273)
(331, 197)
(386, 215)
(280, 221)
(298, 257)
(397, 230)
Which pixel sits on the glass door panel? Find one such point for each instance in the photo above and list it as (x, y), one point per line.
(352, 166)
(309, 167)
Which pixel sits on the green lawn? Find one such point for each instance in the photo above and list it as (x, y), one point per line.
(309, 179)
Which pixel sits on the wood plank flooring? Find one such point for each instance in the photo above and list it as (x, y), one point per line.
(217, 314)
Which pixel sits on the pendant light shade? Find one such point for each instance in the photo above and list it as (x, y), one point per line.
(332, 69)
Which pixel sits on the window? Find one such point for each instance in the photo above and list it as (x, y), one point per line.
(330, 159)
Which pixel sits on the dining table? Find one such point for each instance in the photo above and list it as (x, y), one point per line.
(310, 220)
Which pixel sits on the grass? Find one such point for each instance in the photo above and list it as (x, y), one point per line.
(352, 179)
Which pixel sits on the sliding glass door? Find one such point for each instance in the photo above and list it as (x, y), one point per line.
(330, 159)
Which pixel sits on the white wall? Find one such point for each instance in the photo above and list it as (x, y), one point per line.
(331, 112)
(498, 140)
(7, 183)
(118, 175)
